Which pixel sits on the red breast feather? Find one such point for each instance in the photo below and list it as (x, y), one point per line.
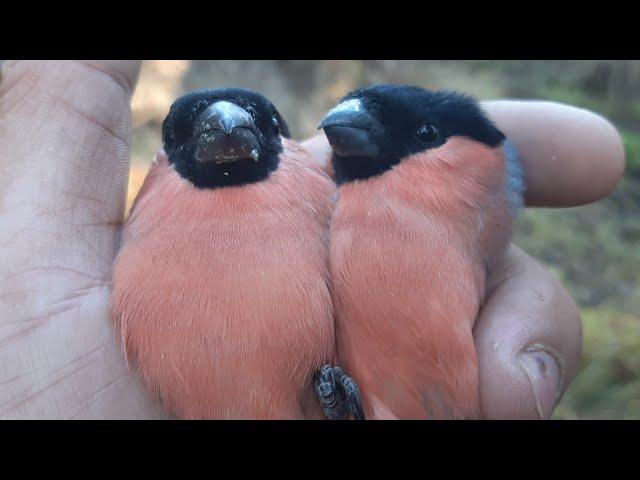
(409, 251)
(221, 295)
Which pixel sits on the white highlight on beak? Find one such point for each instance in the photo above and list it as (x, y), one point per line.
(352, 105)
(254, 155)
(226, 108)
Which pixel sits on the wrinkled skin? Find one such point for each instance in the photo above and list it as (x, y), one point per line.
(65, 131)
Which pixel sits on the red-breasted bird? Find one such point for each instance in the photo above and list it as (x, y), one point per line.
(428, 192)
(221, 285)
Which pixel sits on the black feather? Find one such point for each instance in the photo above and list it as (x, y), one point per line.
(401, 110)
(177, 136)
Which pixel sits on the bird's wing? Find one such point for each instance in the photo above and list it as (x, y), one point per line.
(514, 176)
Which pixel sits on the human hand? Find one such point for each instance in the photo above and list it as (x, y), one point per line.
(65, 130)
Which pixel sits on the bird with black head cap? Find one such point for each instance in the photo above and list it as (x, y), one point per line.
(221, 289)
(429, 189)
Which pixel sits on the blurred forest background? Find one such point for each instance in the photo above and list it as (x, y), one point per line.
(594, 250)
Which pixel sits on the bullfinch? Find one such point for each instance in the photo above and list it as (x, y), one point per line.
(220, 288)
(428, 192)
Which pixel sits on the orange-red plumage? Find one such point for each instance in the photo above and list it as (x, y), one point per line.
(429, 188)
(221, 296)
(409, 250)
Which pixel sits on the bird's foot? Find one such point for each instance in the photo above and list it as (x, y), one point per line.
(351, 392)
(339, 394)
(331, 397)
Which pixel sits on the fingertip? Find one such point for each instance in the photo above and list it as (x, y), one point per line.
(571, 156)
(320, 151)
(598, 151)
(318, 147)
(614, 158)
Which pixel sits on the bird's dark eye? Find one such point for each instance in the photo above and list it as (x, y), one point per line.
(427, 133)
(276, 125)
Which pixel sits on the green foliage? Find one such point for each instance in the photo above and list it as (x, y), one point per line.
(608, 385)
(631, 141)
(591, 250)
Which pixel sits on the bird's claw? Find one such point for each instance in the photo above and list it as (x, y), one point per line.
(338, 394)
(352, 393)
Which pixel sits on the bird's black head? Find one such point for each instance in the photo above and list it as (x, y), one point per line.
(223, 137)
(374, 128)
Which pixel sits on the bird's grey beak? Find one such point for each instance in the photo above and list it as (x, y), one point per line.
(351, 130)
(225, 133)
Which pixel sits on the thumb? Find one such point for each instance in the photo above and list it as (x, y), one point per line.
(528, 338)
(65, 128)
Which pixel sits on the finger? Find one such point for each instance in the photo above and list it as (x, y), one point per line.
(65, 131)
(320, 151)
(528, 338)
(570, 156)
(65, 135)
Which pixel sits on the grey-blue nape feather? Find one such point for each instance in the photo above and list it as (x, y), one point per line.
(514, 177)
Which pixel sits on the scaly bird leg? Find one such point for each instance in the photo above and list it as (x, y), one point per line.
(351, 393)
(331, 397)
(338, 394)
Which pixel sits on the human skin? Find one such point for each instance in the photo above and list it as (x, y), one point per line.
(65, 132)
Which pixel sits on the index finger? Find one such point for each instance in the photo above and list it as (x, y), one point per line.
(570, 156)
